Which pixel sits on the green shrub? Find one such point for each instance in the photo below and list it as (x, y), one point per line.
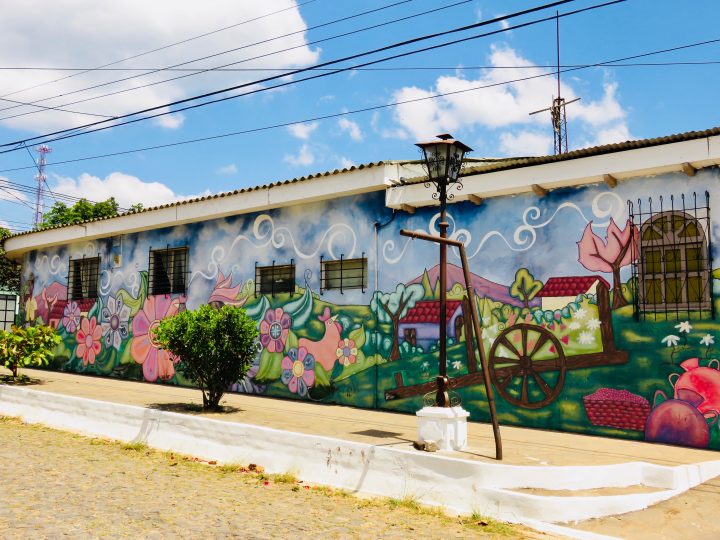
(31, 346)
(215, 347)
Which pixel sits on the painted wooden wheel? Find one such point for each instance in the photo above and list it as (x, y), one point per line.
(527, 366)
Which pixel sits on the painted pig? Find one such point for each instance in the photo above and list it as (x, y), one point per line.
(703, 380)
(678, 421)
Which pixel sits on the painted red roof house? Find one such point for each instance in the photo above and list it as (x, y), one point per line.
(558, 292)
(420, 327)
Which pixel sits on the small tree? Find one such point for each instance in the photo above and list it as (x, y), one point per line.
(215, 347)
(9, 270)
(525, 286)
(391, 307)
(31, 346)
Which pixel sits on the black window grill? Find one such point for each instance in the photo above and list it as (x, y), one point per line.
(8, 305)
(168, 271)
(275, 279)
(672, 268)
(343, 274)
(83, 277)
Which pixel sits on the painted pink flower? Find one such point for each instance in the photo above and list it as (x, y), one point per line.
(346, 352)
(71, 316)
(298, 371)
(274, 330)
(155, 361)
(88, 340)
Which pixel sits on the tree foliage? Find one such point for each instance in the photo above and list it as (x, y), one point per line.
(9, 271)
(215, 347)
(525, 286)
(83, 210)
(391, 307)
(617, 250)
(31, 346)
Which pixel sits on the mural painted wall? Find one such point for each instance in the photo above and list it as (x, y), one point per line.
(598, 317)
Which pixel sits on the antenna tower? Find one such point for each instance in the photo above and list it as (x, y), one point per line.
(558, 115)
(42, 150)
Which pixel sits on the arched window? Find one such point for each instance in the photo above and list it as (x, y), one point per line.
(673, 267)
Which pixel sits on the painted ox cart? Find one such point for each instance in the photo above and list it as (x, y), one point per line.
(528, 362)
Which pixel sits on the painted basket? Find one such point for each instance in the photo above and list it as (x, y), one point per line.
(621, 409)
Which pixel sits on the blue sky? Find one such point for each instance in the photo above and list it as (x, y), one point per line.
(617, 103)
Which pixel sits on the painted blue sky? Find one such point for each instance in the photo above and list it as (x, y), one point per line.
(617, 102)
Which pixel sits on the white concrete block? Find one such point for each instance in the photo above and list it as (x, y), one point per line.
(447, 426)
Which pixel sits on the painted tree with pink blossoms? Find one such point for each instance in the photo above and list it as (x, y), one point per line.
(618, 249)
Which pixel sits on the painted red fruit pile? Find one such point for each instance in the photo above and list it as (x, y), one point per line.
(610, 407)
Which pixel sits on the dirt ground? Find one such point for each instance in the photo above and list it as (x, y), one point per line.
(57, 484)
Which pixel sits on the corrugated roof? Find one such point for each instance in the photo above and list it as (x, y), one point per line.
(221, 195)
(569, 286)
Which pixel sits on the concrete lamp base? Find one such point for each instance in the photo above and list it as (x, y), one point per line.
(445, 426)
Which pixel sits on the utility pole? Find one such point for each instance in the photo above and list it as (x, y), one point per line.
(43, 150)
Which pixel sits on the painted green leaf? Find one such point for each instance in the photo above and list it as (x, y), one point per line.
(270, 366)
(257, 311)
(358, 336)
(321, 376)
(300, 309)
(292, 341)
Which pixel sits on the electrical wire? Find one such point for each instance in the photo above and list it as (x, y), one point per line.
(330, 62)
(315, 42)
(294, 6)
(227, 51)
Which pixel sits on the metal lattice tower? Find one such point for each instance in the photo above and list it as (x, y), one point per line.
(558, 115)
(43, 150)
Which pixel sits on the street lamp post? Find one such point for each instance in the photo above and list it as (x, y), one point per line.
(443, 160)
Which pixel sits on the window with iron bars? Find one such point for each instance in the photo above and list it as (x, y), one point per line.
(343, 274)
(168, 270)
(83, 277)
(275, 279)
(8, 303)
(673, 264)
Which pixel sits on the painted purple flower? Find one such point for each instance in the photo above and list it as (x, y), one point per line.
(71, 316)
(116, 316)
(298, 371)
(274, 330)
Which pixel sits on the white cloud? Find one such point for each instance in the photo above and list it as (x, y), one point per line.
(304, 157)
(345, 163)
(227, 170)
(302, 131)
(351, 128)
(9, 194)
(525, 143)
(170, 121)
(499, 105)
(126, 189)
(91, 36)
(612, 134)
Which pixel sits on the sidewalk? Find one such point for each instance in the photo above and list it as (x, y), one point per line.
(521, 446)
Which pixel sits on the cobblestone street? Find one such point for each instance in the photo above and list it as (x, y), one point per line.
(58, 484)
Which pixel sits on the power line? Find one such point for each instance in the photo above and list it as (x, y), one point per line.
(294, 6)
(352, 112)
(227, 51)
(315, 42)
(331, 62)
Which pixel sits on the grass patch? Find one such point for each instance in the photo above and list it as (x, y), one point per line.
(284, 478)
(408, 501)
(134, 447)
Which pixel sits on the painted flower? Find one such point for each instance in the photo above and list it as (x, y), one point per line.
(155, 361)
(346, 352)
(425, 365)
(575, 325)
(707, 340)
(88, 341)
(580, 314)
(592, 324)
(586, 338)
(684, 327)
(670, 340)
(71, 316)
(457, 364)
(298, 371)
(274, 330)
(115, 322)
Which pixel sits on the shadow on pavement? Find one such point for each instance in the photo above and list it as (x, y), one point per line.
(193, 408)
(20, 380)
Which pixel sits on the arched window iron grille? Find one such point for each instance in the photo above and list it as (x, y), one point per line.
(168, 270)
(83, 277)
(275, 279)
(343, 274)
(672, 260)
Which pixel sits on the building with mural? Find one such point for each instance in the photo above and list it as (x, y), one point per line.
(593, 274)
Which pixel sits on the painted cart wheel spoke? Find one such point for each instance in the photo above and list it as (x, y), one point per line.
(523, 381)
